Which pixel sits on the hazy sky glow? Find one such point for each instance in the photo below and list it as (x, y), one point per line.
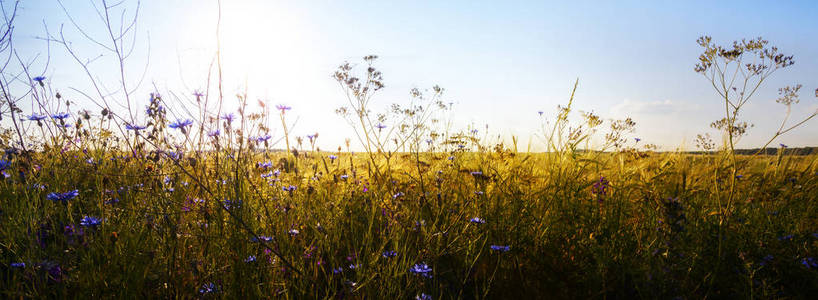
(499, 63)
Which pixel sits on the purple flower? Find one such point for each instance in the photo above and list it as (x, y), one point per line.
(208, 288)
(88, 221)
(250, 259)
(39, 79)
(283, 108)
(289, 188)
(134, 127)
(198, 93)
(423, 296)
(500, 248)
(380, 126)
(782, 145)
(214, 133)
(637, 139)
(228, 117)
(389, 254)
(477, 220)
(293, 232)
(60, 116)
(263, 138)
(600, 187)
(333, 157)
(181, 124)
(422, 269)
(36, 117)
(18, 265)
(476, 173)
(62, 197)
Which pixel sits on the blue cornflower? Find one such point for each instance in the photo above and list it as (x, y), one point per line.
(4, 164)
(249, 259)
(231, 204)
(39, 79)
(476, 173)
(261, 238)
(214, 133)
(451, 157)
(477, 220)
(398, 194)
(500, 248)
(88, 221)
(181, 124)
(739, 176)
(208, 288)
(600, 187)
(380, 126)
(389, 254)
(809, 262)
(344, 177)
(63, 197)
(283, 108)
(782, 145)
(540, 112)
(18, 265)
(289, 188)
(293, 232)
(228, 117)
(134, 127)
(198, 93)
(265, 165)
(263, 138)
(333, 157)
(423, 296)
(36, 117)
(637, 139)
(337, 270)
(422, 269)
(60, 116)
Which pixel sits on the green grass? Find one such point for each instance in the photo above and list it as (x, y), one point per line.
(566, 238)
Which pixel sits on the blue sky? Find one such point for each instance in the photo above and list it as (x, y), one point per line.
(499, 62)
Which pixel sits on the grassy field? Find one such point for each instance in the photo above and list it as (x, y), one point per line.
(464, 223)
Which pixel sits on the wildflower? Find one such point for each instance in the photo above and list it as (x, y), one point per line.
(739, 176)
(600, 187)
(88, 221)
(283, 108)
(344, 177)
(478, 193)
(637, 139)
(214, 133)
(423, 296)
(389, 254)
(4, 164)
(809, 262)
(134, 127)
(380, 126)
(63, 197)
(261, 238)
(540, 112)
(181, 124)
(782, 145)
(230, 204)
(422, 269)
(265, 165)
(208, 288)
(476, 173)
(333, 157)
(228, 117)
(289, 188)
(60, 116)
(18, 265)
(500, 248)
(249, 259)
(451, 157)
(263, 138)
(477, 220)
(198, 93)
(293, 232)
(398, 194)
(36, 117)
(337, 270)
(39, 79)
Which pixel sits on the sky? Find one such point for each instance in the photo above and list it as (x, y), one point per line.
(499, 62)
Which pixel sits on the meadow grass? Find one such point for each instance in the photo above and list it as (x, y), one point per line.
(630, 224)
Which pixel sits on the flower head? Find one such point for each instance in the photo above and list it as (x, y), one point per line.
(422, 269)
(36, 117)
(134, 127)
(423, 296)
(477, 220)
(283, 108)
(389, 254)
(63, 197)
(181, 124)
(500, 248)
(208, 288)
(198, 93)
(380, 126)
(214, 133)
(228, 117)
(60, 116)
(88, 221)
(333, 157)
(39, 79)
